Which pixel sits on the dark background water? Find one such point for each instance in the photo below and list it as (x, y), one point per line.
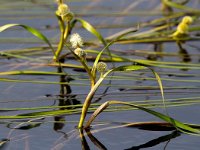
(109, 17)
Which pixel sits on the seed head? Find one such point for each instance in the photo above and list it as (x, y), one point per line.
(68, 17)
(101, 67)
(63, 10)
(80, 52)
(76, 40)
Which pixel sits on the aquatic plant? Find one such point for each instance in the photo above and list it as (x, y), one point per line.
(67, 21)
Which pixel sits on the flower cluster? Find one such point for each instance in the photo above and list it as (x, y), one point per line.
(64, 12)
(183, 27)
(77, 42)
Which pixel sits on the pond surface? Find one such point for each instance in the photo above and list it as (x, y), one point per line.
(22, 95)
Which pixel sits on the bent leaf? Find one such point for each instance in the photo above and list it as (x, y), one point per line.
(177, 124)
(32, 30)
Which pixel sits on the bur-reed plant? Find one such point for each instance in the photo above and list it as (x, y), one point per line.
(67, 21)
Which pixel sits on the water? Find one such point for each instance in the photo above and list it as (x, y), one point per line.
(60, 132)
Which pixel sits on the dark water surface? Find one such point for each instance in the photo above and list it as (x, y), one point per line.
(109, 16)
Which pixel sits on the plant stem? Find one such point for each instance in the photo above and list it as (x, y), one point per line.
(92, 78)
(67, 30)
(84, 64)
(62, 39)
(88, 102)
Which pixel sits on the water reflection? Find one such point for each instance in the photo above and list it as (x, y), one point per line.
(183, 53)
(154, 142)
(151, 143)
(65, 98)
(185, 57)
(92, 138)
(84, 143)
(158, 49)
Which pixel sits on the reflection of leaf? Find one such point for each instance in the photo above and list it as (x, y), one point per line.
(3, 143)
(155, 142)
(27, 127)
(95, 141)
(152, 126)
(84, 143)
(59, 122)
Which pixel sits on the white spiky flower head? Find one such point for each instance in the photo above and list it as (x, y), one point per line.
(76, 40)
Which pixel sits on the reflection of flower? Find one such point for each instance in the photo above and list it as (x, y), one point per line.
(183, 27)
(76, 40)
(101, 67)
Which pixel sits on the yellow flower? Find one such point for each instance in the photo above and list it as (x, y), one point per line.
(183, 27)
(187, 20)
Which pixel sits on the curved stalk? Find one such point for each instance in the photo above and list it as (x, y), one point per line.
(89, 98)
(67, 31)
(62, 39)
(88, 102)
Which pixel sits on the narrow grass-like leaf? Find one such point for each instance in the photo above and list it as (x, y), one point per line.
(30, 72)
(179, 6)
(97, 84)
(9, 55)
(176, 123)
(38, 81)
(94, 68)
(161, 87)
(91, 29)
(118, 37)
(32, 30)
